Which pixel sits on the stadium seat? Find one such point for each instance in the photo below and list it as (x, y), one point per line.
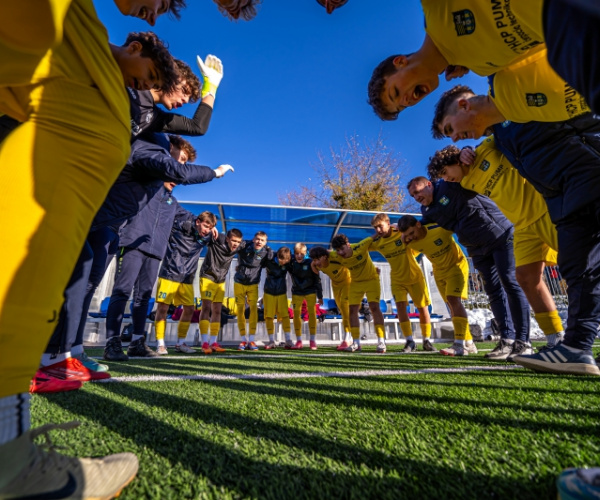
(103, 309)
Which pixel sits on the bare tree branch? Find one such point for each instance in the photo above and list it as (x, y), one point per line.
(358, 177)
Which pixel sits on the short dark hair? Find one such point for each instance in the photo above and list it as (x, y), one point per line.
(339, 241)
(234, 232)
(184, 145)
(175, 7)
(450, 155)
(376, 85)
(416, 180)
(443, 105)
(406, 221)
(191, 80)
(260, 233)
(318, 252)
(235, 11)
(155, 49)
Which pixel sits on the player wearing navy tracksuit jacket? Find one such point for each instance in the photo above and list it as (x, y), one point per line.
(148, 167)
(488, 237)
(562, 161)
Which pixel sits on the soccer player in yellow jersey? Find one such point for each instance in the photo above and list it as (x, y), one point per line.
(536, 240)
(460, 114)
(364, 280)
(461, 35)
(339, 276)
(451, 273)
(61, 164)
(407, 279)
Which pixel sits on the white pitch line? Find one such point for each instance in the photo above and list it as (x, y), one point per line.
(281, 376)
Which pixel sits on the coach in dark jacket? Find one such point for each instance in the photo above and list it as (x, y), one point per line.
(488, 238)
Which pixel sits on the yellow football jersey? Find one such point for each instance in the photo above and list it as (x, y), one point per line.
(360, 265)
(403, 266)
(530, 90)
(492, 175)
(442, 251)
(336, 270)
(483, 36)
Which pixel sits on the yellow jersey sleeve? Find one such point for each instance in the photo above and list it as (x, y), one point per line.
(403, 266)
(492, 175)
(336, 271)
(483, 36)
(442, 251)
(83, 57)
(530, 90)
(359, 265)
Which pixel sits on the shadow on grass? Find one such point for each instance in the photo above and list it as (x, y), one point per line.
(375, 474)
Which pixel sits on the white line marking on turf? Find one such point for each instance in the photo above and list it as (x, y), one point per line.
(279, 376)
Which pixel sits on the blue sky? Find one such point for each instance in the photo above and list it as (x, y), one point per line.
(295, 84)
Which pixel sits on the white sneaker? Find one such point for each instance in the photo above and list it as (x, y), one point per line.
(161, 350)
(381, 348)
(471, 348)
(38, 471)
(184, 348)
(455, 349)
(354, 347)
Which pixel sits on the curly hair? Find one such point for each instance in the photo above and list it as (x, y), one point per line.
(442, 107)
(339, 241)
(183, 145)
(441, 159)
(318, 252)
(377, 85)
(155, 49)
(244, 9)
(192, 83)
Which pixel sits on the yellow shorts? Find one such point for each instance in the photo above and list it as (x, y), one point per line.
(537, 242)
(276, 305)
(241, 292)
(209, 290)
(418, 293)
(455, 285)
(358, 289)
(171, 292)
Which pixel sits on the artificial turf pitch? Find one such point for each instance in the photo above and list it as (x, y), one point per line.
(281, 425)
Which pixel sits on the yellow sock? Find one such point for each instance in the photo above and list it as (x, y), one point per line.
(406, 328)
(461, 328)
(214, 331)
(270, 325)
(549, 322)
(159, 327)
(285, 324)
(355, 332)
(425, 330)
(204, 326)
(182, 330)
(380, 329)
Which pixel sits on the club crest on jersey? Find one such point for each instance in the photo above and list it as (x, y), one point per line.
(536, 100)
(444, 200)
(305, 268)
(398, 243)
(484, 165)
(464, 22)
(359, 257)
(438, 242)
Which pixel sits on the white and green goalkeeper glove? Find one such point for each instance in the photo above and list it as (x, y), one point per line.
(212, 73)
